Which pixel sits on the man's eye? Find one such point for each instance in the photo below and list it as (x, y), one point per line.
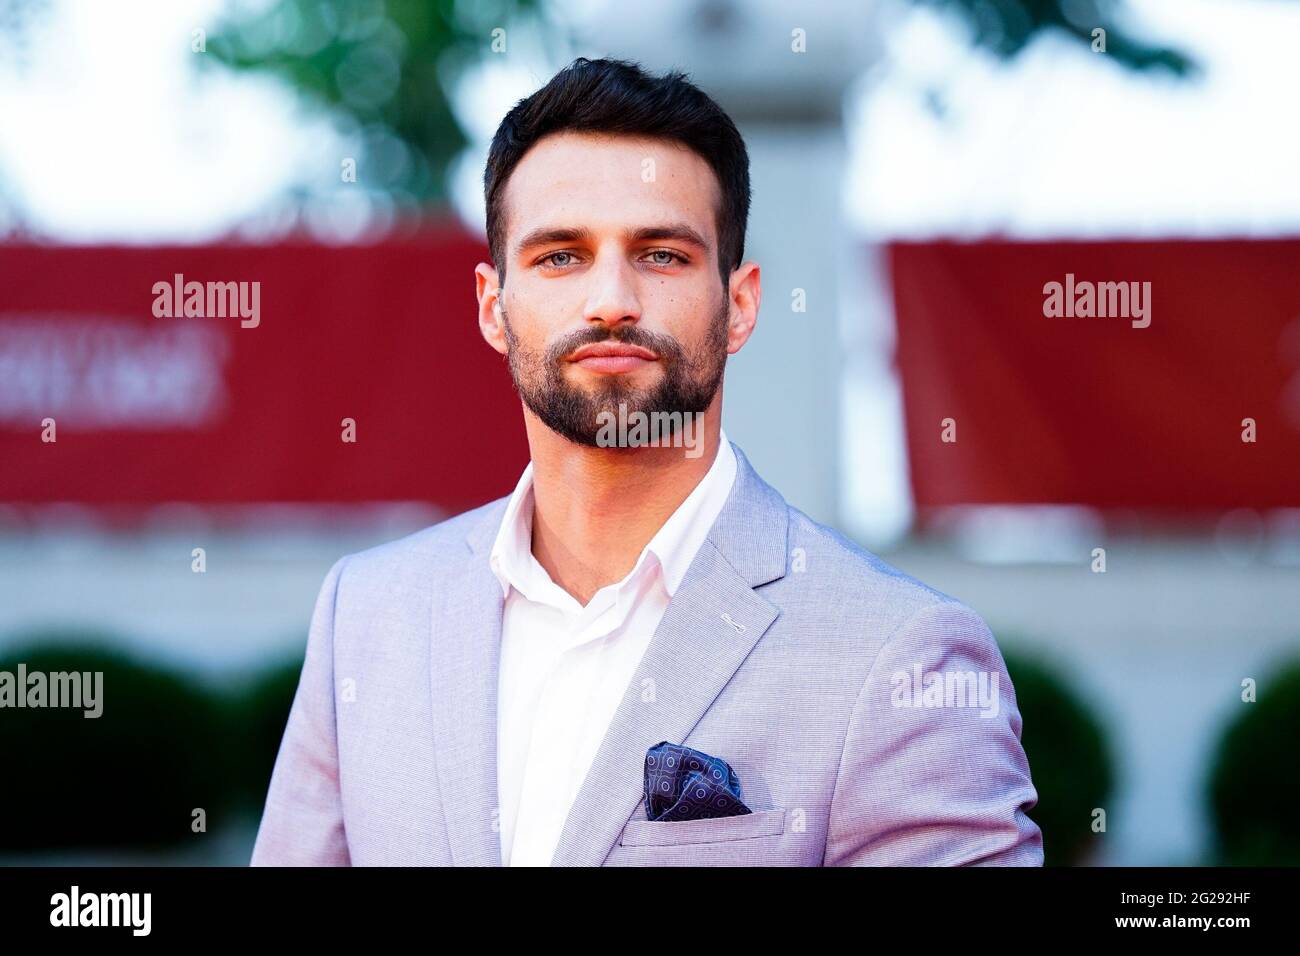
(559, 260)
(548, 258)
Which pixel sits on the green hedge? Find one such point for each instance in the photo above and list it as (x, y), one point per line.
(131, 776)
(1254, 779)
(260, 705)
(1069, 758)
(164, 745)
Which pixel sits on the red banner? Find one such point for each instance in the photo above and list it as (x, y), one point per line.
(230, 374)
(1113, 374)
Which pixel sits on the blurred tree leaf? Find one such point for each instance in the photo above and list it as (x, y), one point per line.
(1008, 26)
(383, 70)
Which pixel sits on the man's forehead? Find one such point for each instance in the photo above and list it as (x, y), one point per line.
(566, 146)
(635, 181)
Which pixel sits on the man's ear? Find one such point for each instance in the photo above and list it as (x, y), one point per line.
(746, 292)
(490, 322)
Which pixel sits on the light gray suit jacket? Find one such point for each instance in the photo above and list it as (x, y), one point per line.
(787, 651)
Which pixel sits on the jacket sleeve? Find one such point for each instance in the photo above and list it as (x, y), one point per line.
(302, 824)
(933, 772)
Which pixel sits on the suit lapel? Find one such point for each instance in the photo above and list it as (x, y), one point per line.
(712, 623)
(465, 656)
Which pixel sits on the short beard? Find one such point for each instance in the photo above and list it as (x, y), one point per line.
(688, 384)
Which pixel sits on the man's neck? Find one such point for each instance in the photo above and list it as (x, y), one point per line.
(595, 509)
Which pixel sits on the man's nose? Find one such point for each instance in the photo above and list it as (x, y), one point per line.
(612, 298)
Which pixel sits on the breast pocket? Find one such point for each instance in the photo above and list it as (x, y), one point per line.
(745, 826)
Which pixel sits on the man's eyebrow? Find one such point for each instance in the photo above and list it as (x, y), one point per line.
(549, 235)
(678, 231)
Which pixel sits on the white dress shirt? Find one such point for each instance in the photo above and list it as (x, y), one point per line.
(565, 667)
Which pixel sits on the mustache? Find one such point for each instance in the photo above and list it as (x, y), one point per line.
(665, 346)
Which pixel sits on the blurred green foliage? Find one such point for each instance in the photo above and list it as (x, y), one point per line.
(130, 777)
(384, 71)
(164, 745)
(1069, 758)
(1254, 779)
(1008, 26)
(259, 706)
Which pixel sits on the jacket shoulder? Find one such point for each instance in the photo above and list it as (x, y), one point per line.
(419, 551)
(831, 567)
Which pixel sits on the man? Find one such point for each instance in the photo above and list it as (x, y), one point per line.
(643, 655)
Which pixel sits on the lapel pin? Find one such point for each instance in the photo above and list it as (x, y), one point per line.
(740, 628)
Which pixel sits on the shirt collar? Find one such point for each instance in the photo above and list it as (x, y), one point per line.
(673, 546)
(676, 543)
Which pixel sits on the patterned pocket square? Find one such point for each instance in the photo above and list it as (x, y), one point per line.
(686, 784)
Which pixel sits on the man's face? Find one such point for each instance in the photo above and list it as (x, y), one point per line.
(612, 292)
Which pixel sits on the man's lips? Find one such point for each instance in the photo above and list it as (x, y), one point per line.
(612, 357)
